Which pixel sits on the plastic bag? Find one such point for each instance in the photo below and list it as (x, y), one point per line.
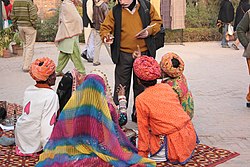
(5, 24)
(230, 29)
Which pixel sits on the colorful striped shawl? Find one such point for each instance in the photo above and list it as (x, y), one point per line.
(87, 133)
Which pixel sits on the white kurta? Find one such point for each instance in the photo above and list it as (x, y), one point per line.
(35, 125)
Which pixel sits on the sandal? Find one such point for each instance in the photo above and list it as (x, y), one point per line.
(235, 47)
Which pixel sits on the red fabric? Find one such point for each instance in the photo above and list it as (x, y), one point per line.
(147, 68)
(167, 66)
(159, 113)
(8, 10)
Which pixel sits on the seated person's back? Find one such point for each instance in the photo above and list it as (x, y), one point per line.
(34, 126)
(172, 67)
(166, 132)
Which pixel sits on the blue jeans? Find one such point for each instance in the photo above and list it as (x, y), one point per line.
(224, 31)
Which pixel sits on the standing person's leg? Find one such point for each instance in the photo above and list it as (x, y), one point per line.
(30, 34)
(137, 89)
(236, 42)
(108, 49)
(88, 52)
(87, 31)
(98, 44)
(63, 60)
(123, 73)
(22, 36)
(224, 42)
(76, 59)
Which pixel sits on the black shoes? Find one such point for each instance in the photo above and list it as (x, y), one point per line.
(235, 46)
(96, 64)
(83, 55)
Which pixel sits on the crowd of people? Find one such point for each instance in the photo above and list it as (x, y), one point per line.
(83, 123)
(239, 31)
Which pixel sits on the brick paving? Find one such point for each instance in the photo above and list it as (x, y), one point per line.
(217, 76)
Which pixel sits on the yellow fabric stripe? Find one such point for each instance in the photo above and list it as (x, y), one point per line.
(104, 157)
(90, 97)
(70, 150)
(83, 149)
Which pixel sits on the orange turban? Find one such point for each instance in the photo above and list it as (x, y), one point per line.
(147, 68)
(167, 66)
(42, 68)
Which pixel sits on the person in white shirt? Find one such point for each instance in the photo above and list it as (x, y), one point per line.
(35, 125)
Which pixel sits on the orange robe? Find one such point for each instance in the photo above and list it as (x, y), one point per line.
(159, 113)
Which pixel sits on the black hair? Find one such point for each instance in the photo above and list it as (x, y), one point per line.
(148, 83)
(175, 62)
(41, 82)
(3, 113)
(6, 2)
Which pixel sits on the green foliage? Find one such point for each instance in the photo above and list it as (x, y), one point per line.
(193, 35)
(205, 14)
(6, 37)
(201, 16)
(17, 39)
(200, 24)
(47, 29)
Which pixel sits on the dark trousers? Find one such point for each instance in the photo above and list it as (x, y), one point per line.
(123, 73)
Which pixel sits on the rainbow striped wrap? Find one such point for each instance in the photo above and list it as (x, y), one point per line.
(87, 132)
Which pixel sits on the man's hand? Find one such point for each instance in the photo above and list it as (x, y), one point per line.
(108, 39)
(137, 53)
(143, 34)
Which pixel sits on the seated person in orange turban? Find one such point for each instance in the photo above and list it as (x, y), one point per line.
(172, 67)
(35, 125)
(166, 132)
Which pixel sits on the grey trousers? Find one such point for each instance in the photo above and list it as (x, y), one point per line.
(123, 74)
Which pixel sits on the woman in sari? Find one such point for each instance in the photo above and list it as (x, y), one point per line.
(87, 132)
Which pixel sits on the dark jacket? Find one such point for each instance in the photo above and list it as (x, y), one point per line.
(86, 20)
(243, 30)
(99, 14)
(64, 89)
(226, 13)
(115, 47)
(242, 8)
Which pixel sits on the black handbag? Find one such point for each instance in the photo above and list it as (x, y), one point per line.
(159, 38)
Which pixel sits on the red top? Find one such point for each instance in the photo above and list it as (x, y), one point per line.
(8, 11)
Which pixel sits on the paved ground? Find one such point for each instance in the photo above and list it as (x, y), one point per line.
(217, 77)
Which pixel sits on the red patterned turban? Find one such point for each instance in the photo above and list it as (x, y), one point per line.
(167, 66)
(42, 68)
(146, 68)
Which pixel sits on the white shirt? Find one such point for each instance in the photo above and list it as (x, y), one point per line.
(35, 125)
